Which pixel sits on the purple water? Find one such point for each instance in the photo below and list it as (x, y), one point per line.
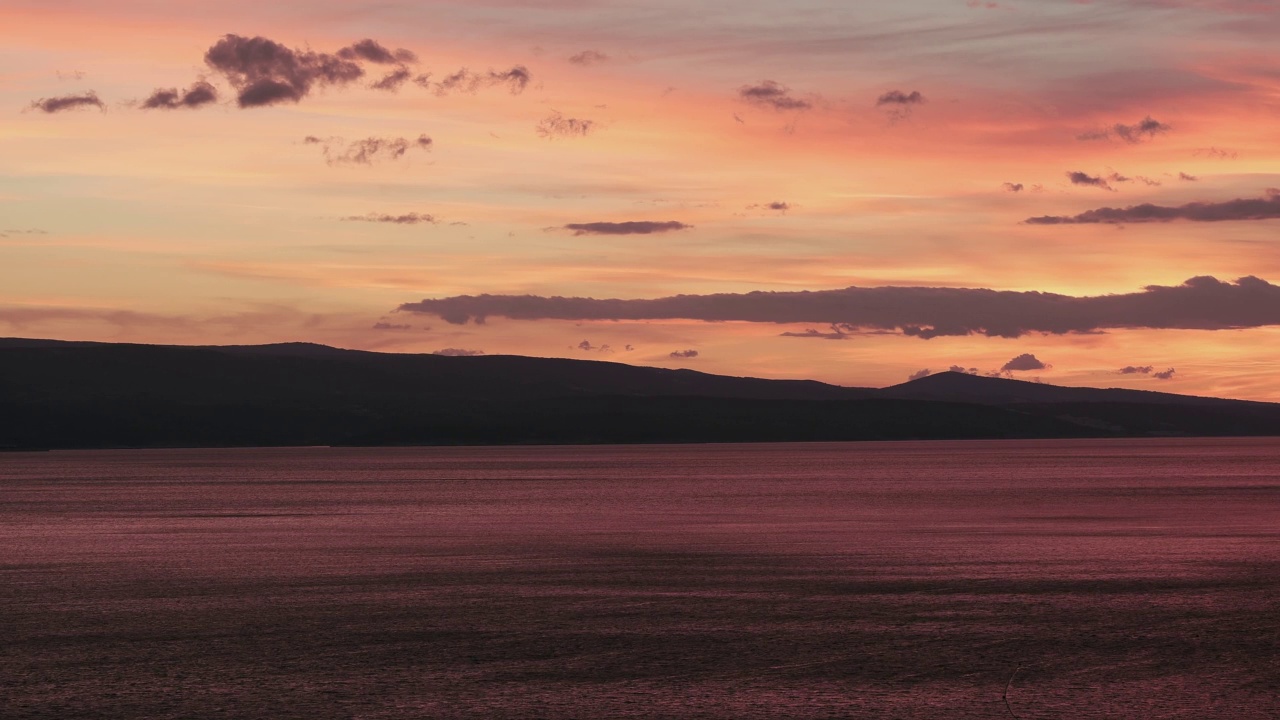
(1109, 579)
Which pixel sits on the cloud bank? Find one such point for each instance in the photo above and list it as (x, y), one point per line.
(1200, 303)
(1266, 207)
(633, 227)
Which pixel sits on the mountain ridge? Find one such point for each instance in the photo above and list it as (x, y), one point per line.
(79, 394)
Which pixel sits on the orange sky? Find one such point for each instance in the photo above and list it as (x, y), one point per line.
(221, 224)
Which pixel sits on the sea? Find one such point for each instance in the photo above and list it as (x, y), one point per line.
(975, 579)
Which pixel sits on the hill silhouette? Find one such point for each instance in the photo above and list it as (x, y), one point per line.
(57, 394)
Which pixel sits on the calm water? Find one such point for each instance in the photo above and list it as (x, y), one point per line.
(1109, 579)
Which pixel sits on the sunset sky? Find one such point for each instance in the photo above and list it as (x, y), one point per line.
(357, 173)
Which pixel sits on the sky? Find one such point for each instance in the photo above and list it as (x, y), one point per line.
(1081, 193)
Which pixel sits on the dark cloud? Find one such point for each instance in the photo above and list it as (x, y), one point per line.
(1013, 187)
(1080, 178)
(200, 93)
(1202, 303)
(632, 227)
(588, 57)
(684, 354)
(69, 102)
(412, 218)
(265, 72)
(458, 352)
(1263, 208)
(516, 79)
(899, 98)
(390, 326)
(1145, 129)
(393, 80)
(374, 52)
(557, 125)
(1187, 178)
(1135, 370)
(368, 150)
(1024, 362)
(961, 369)
(772, 95)
(919, 374)
(1164, 374)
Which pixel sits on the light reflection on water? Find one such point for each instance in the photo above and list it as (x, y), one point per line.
(1120, 579)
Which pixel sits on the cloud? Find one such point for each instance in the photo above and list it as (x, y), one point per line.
(1135, 370)
(777, 206)
(367, 151)
(588, 57)
(458, 352)
(1080, 178)
(412, 218)
(392, 81)
(899, 98)
(200, 93)
(1013, 187)
(68, 102)
(919, 374)
(835, 332)
(1145, 129)
(1216, 153)
(772, 95)
(1266, 207)
(1024, 362)
(557, 125)
(390, 326)
(516, 79)
(962, 369)
(683, 354)
(374, 52)
(265, 72)
(1164, 374)
(1187, 178)
(1200, 303)
(633, 227)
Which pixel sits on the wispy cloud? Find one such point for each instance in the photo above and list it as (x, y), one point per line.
(1202, 303)
(557, 125)
(1145, 129)
(458, 352)
(1266, 207)
(412, 218)
(683, 354)
(515, 79)
(367, 151)
(588, 57)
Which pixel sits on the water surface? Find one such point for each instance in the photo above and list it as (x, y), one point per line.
(1108, 579)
